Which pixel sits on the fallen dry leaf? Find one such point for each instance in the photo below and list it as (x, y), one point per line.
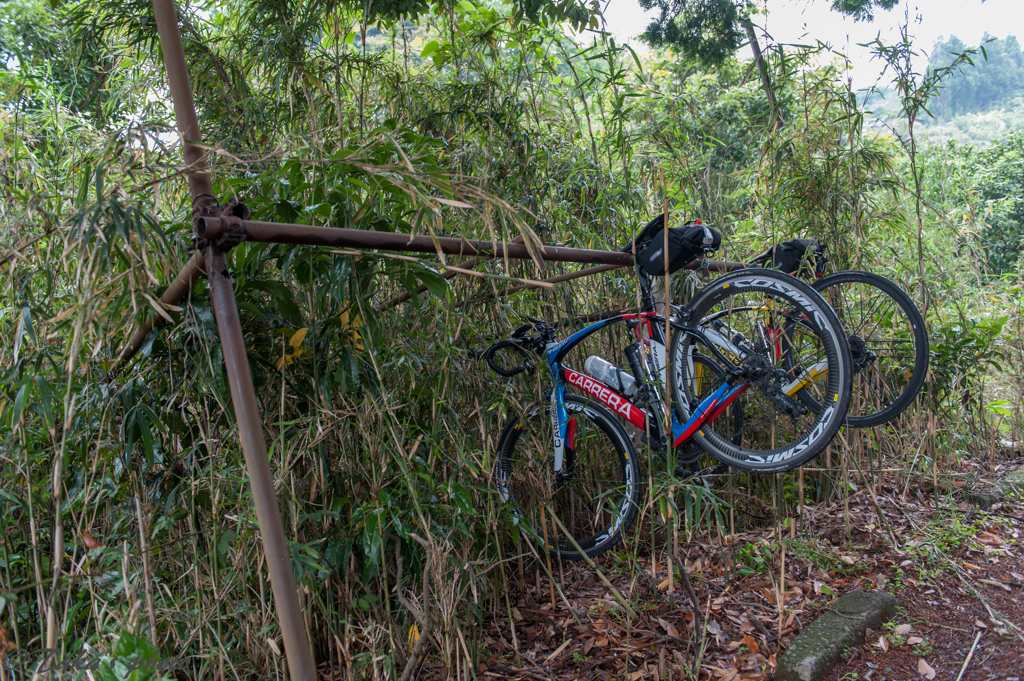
(980, 624)
(751, 644)
(925, 669)
(992, 582)
(600, 642)
(89, 541)
(669, 628)
(882, 643)
(914, 640)
(904, 629)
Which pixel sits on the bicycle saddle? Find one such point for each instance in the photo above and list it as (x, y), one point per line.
(645, 235)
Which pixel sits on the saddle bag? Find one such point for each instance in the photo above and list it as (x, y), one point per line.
(684, 245)
(799, 256)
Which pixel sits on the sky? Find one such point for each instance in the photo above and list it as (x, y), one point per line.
(803, 21)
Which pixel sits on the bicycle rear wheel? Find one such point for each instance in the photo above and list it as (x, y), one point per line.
(770, 430)
(595, 498)
(888, 343)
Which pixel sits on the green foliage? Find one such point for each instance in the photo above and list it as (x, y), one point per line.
(995, 178)
(708, 30)
(474, 121)
(963, 353)
(711, 30)
(752, 558)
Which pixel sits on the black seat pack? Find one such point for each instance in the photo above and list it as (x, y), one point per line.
(684, 245)
(791, 256)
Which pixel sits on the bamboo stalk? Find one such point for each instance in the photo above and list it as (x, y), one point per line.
(177, 290)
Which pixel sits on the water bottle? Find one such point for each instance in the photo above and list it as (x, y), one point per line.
(610, 375)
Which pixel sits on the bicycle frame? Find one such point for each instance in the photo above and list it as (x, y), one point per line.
(708, 410)
(647, 417)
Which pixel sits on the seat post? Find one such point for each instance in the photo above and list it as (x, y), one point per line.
(647, 300)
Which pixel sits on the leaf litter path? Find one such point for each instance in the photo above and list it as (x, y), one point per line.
(957, 571)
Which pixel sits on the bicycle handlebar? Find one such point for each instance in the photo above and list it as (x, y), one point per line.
(516, 343)
(521, 343)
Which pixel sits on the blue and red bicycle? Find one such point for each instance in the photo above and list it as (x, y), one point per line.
(757, 371)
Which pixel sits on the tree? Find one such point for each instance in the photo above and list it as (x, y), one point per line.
(993, 82)
(996, 174)
(709, 31)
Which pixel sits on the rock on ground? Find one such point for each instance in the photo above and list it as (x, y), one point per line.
(812, 654)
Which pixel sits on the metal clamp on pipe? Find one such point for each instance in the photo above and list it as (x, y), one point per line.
(222, 227)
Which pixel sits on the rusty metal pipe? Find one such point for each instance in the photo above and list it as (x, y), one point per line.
(178, 289)
(468, 265)
(281, 233)
(184, 107)
(250, 426)
(264, 497)
(586, 272)
(712, 265)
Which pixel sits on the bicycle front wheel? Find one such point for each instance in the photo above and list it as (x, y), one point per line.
(888, 343)
(792, 342)
(593, 499)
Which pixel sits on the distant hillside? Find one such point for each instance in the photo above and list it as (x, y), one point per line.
(995, 80)
(980, 103)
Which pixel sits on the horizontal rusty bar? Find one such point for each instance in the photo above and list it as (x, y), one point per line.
(469, 264)
(213, 228)
(712, 265)
(586, 272)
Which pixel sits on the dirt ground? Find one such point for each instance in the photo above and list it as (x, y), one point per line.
(957, 570)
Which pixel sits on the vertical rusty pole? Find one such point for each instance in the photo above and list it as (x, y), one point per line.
(243, 396)
(184, 107)
(250, 431)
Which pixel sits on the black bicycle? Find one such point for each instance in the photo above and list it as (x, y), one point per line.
(884, 328)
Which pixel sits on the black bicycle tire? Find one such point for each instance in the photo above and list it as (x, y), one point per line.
(815, 439)
(624, 450)
(922, 349)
